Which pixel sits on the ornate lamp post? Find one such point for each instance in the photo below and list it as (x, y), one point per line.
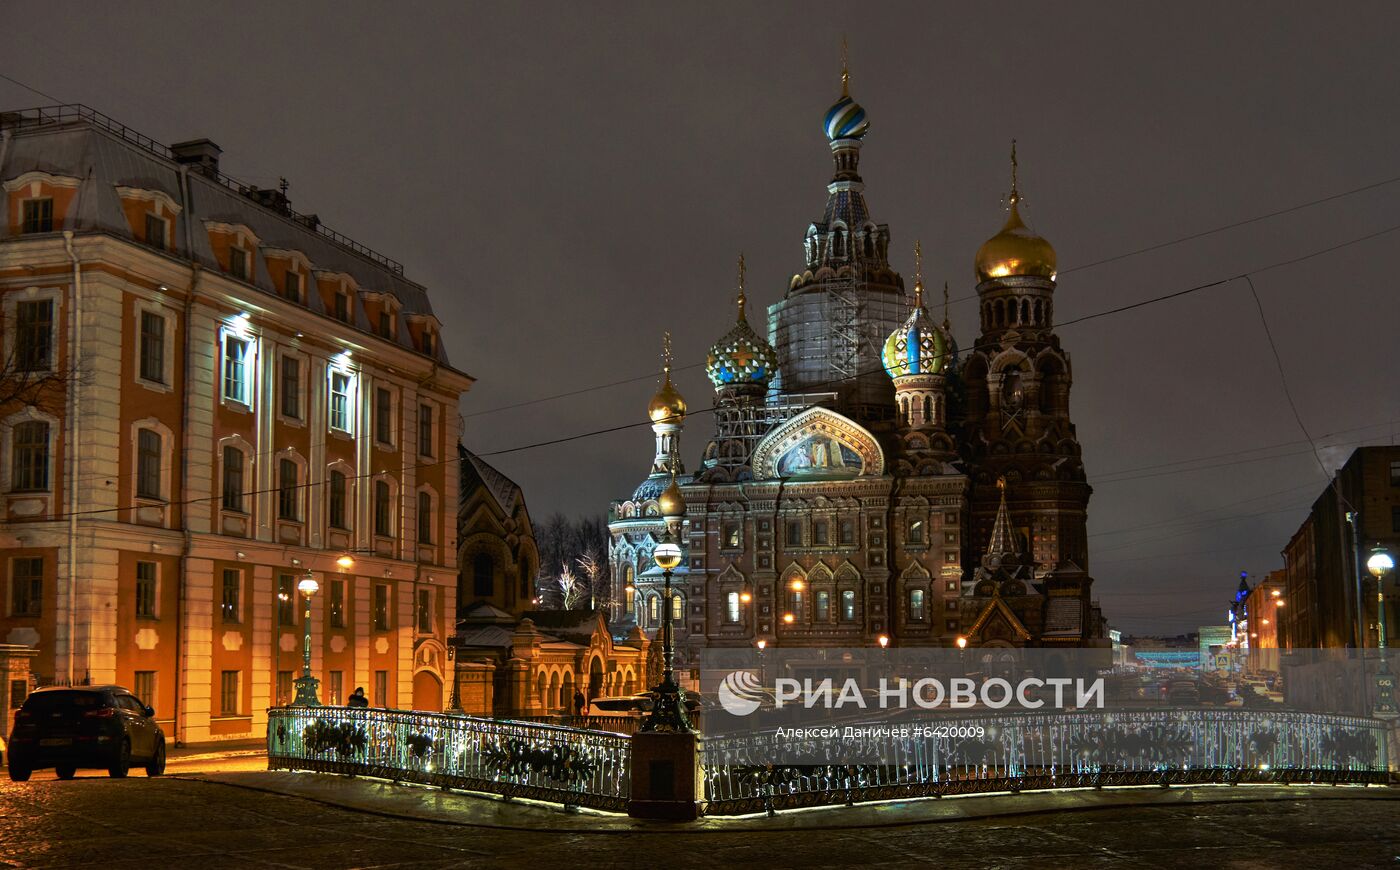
(1380, 565)
(668, 713)
(306, 684)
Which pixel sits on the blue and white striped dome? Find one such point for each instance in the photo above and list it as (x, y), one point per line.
(845, 120)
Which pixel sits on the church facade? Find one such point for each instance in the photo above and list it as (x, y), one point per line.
(865, 480)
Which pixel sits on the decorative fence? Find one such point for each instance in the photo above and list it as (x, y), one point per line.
(765, 771)
(572, 766)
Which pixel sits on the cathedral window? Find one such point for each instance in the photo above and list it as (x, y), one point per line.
(916, 605)
(731, 535)
(483, 575)
(823, 606)
(820, 533)
(848, 605)
(794, 533)
(677, 606)
(916, 532)
(654, 608)
(848, 531)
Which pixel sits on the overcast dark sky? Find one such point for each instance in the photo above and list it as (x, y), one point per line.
(570, 179)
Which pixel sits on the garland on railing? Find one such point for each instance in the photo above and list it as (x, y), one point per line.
(560, 762)
(343, 737)
(419, 745)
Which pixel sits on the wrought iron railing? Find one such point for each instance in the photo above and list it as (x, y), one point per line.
(572, 766)
(763, 771)
(618, 724)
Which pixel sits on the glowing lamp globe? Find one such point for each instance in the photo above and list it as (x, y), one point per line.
(962, 643)
(1380, 563)
(308, 586)
(667, 555)
(884, 641)
(346, 561)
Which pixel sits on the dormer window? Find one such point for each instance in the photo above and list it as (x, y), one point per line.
(342, 307)
(238, 263)
(386, 323)
(291, 287)
(36, 215)
(427, 343)
(156, 232)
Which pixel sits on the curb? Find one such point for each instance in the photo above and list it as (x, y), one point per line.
(208, 756)
(1129, 798)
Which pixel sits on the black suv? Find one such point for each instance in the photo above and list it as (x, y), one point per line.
(85, 726)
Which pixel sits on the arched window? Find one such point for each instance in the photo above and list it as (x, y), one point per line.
(483, 575)
(148, 472)
(677, 606)
(527, 577)
(29, 466)
(928, 410)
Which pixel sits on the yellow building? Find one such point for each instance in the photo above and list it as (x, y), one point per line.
(252, 396)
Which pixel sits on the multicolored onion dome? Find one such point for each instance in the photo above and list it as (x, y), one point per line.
(1015, 251)
(845, 120)
(741, 357)
(918, 347)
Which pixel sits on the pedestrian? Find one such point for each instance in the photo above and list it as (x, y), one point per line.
(357, 698)
(580, 703)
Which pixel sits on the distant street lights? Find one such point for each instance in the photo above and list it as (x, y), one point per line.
(306, 684)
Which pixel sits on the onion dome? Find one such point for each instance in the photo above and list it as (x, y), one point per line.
(1015, 251)
(742, 356)
(667, 406)
(918, 347)
(845, 119)
(671, 502)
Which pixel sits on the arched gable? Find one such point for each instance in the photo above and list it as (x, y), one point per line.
(818, 444)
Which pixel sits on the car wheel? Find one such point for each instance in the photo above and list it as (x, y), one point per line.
(18, 774)
(157, 764)
(122, 763)
(65, 772)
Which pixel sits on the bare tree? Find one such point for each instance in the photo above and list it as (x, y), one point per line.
(572, 590)
(593, 571)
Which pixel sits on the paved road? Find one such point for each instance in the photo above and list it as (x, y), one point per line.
(173, 822)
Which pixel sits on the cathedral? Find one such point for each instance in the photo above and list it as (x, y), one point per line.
(867, 481)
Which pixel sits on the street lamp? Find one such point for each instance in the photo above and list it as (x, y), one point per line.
(1380, 565)
(346, 561)
(668, 713)
(762, 665)
(306, 684)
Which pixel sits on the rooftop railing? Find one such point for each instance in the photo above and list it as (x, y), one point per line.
(74, 113)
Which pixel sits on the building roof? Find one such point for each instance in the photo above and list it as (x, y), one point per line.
(477, 473)
(78, 142)
(576, 626)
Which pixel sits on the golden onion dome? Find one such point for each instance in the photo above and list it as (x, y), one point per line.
(1015, 251)
(671, 502)
(668, 405)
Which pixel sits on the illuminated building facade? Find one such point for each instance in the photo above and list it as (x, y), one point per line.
(865, 479)
(236, 396)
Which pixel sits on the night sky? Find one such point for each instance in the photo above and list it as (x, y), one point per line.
(568, 180)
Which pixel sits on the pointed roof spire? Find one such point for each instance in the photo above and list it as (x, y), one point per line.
(845, 69)
(741, 299)
(918, 274)
(1003, 540)
(1015, 192)
(945, 306)
(666, 354)
(667, 406)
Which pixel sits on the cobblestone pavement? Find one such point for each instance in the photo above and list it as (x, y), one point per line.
(173, 822)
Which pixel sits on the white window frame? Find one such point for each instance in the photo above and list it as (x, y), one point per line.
(350, 502)
(298, 491)
(11, 309)
(27, 414)
(249, 363)
(303, 386)
(249, 474)
(351, 399)
(146, 306)
(167, 465)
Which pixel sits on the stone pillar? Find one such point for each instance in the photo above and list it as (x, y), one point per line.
(666, 779)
